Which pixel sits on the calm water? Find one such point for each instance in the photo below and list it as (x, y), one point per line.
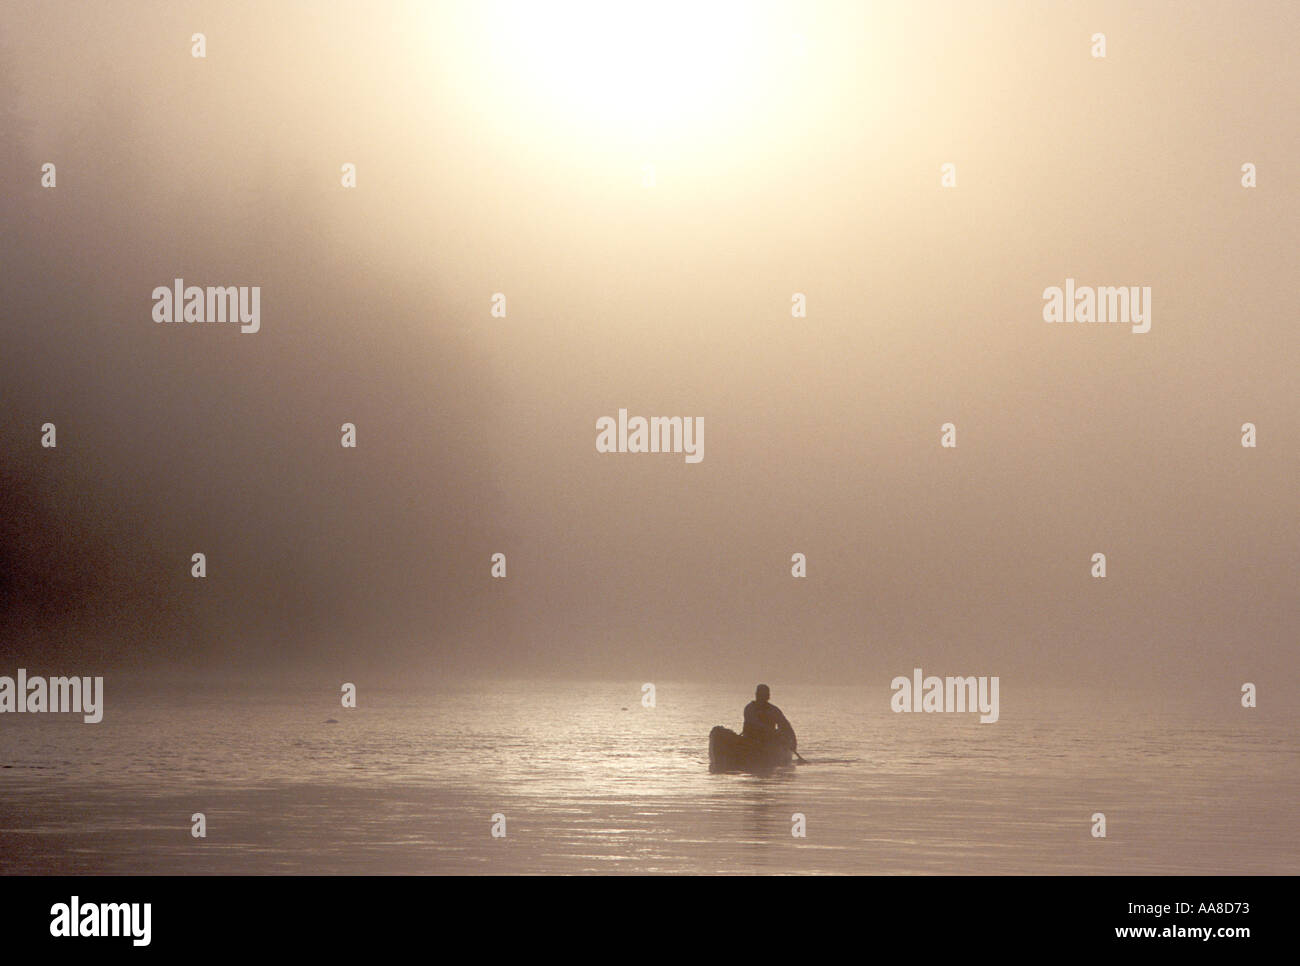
(409, 782)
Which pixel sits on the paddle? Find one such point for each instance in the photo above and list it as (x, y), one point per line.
(801, 758)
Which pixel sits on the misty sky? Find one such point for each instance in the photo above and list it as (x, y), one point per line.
(810, 169)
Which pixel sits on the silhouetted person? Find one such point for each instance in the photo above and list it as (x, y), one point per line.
(765, 722)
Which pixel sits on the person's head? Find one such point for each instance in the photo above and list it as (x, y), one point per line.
(762, 693)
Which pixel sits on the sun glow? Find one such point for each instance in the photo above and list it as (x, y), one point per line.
(649, 69)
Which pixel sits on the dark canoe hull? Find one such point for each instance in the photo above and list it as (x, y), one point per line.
(730, 752)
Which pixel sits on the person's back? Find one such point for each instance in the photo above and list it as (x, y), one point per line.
(765, 722)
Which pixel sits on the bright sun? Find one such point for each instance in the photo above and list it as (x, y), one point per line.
(648, 68)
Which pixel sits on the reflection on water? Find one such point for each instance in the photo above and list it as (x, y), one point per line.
(409, 781)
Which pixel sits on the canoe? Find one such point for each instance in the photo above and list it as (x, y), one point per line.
(728, 751)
